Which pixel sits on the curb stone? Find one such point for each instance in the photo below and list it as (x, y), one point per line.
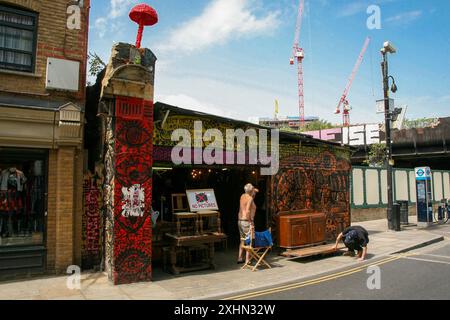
(421, 245)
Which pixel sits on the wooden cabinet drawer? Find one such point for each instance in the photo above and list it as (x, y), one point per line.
(300, 234)
(318, 231)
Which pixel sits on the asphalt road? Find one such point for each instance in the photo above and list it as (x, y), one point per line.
(417, 275)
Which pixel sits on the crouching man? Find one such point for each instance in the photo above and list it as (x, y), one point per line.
(355, 238)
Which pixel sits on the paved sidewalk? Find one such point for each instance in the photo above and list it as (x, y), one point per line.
(226, 279)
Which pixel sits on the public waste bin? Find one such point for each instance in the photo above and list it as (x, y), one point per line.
(394, 219)
(404, 213)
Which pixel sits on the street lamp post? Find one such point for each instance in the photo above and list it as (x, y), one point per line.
(388, 48)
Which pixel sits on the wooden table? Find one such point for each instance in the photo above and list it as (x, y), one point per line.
(187, 223)
(209, 215)
(184, 246)
(193, 223)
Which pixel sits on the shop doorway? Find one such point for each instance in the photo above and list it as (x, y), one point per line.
(228, 184)
(23, 189)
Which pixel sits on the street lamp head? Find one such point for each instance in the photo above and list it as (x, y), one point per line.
(388, 48)
(394, 88)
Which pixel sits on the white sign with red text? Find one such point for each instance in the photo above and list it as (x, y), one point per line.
(202, 199)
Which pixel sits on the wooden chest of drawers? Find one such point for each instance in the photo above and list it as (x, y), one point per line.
(297, 230)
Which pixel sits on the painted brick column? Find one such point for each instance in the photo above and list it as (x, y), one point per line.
(127, 102)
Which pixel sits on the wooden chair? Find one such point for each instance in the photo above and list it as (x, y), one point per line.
(186, 222)
(179, 202)
(256, 251)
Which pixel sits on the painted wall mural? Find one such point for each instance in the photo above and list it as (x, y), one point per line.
(133, 201)
(92, 221)
(358, 135)
(162, 137)
(132, 196)
(126, 108)
(313, 176)
(108, 196)
(314, 179)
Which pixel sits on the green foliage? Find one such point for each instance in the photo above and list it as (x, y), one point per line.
(419, 123)
(96, 64)
(317, 125)
(312, 126)
(376, 156)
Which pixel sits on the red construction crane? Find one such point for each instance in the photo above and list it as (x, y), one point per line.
(297, 53)
(343, 101)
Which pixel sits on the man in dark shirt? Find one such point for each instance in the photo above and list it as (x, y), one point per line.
(355, 238)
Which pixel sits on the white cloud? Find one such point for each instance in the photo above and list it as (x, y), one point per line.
(120, 7)
(405, 17)
(116, 9)
(359, 6)
(101, 26)
(445, 99)
(187, 102)
(352, 9)
(220, 21)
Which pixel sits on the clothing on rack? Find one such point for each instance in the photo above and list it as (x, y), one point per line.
(12, 177)
(11, 201)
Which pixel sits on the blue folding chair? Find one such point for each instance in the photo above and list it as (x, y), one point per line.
(258, 245)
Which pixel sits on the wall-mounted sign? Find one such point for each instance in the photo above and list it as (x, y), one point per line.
(202, 199)
(423, 173)
(380, 105)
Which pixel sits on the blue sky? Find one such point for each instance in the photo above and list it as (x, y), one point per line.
(231, 57)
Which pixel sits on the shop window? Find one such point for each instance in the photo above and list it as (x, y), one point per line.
(18, 33)
(22, 198)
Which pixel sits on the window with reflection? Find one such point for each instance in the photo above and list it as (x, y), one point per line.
(22, 197)
(18, 33)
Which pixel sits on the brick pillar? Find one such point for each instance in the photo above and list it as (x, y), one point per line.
(127, 99)
(78, 206)
(64, 184)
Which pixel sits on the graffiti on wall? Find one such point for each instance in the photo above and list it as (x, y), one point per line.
(316, 180)
(92, 221)
(358, 135)
(162, 137)
(133, 201)
(108, 197)
(129, 221)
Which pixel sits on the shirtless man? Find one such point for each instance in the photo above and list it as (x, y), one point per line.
(247, 210)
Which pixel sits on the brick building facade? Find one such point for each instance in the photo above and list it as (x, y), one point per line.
(43, 56)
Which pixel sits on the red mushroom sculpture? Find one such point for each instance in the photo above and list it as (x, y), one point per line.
(143, 15)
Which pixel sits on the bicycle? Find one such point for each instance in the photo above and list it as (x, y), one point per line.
(441, 216)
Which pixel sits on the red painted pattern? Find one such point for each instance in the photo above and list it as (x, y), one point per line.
(133, 150)
(91, 225)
